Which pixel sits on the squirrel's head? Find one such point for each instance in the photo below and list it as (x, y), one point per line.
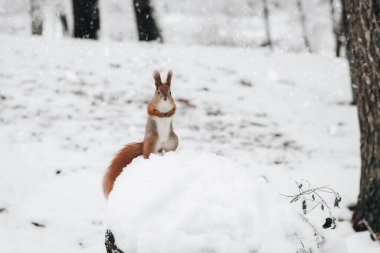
(162, 99)
(163, 92)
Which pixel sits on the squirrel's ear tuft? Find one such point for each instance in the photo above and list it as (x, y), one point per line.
(169, 77)
(157, 78)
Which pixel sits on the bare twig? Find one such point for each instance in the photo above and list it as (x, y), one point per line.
(310, 195)
(373, 234)
(319, 240)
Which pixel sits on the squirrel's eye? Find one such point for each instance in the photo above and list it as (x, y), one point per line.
(170, 92)
(158, 92)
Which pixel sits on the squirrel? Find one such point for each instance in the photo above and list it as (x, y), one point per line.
(159, 135)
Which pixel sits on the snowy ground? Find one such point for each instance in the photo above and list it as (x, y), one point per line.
(67, 106)
(192, 202)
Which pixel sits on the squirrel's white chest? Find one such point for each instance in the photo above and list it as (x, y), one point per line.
(164, 106)
(163, 129)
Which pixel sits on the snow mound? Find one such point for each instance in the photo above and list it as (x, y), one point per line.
(191, 202)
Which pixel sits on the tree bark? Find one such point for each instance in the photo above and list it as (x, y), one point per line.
(146, 25)
(364, 35)
(86, 19)
(36, 13)
(268, 42)
(302, 18)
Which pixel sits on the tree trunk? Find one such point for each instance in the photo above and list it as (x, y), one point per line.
(36, 13)
(364, 33)
(61, 13)
(302, 18)
(345, 39)
(336, 28)
(146, 25)
(268, 42)
(86, 19)
(65, 26)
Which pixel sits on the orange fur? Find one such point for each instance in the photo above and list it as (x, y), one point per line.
(152, 111)
(122, 159)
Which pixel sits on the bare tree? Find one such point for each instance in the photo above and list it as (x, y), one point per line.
(345, 42)
(336, 27)
(146, 25)
(61, 13)
(302, 17)
(364, 35)
(86, 19)
(268, 41)
(36, 13)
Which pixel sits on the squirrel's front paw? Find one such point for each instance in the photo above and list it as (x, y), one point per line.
(162, 152)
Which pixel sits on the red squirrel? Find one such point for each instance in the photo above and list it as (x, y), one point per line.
(159, 135)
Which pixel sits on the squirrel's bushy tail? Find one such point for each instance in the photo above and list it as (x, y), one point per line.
(122, 159)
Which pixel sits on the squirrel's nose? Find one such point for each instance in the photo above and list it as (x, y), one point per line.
(165, 98)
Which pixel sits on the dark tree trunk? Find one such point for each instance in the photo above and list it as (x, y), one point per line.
(336, 28)
(342, 32)
(302, 18)
(86, 19)
(268, 42)
(364, 33)
(36, 14)
(346, 41)
(146, 25)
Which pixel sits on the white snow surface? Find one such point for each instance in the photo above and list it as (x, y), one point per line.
(67, 106)
(200, 202)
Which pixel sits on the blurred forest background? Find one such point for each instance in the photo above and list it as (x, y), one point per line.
(291, 26)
